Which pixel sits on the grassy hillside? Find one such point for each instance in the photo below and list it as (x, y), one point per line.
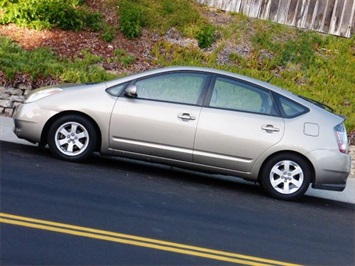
(318, 66)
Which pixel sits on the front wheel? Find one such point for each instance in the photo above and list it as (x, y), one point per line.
(72, 138)
(286, 176)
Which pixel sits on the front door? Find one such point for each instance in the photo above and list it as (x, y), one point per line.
(161, 120)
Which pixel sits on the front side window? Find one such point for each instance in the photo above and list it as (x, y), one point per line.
(174, 87)
(235, 95)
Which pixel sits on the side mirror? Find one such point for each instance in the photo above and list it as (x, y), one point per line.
(131, 91)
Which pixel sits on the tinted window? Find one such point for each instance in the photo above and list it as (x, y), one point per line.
(235, 95)
(174, 87)
(290, 108)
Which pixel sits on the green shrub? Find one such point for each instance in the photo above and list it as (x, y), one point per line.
(130, 22)
(206, 36)
(39, 14)
(108, 33)
(123, 57)
(43, 63)
(93, 20)
(13, 60)
(158, 15)
(303, 51)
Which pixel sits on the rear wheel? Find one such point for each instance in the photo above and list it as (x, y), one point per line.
(286, 176)
(72, 138)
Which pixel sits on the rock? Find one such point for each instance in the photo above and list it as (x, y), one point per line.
(15, 104)
(24, 87)
(175, 37)
(226, 54)
(17, 98)
(14, 91)
(9, 111)
(5, 103)
(4, 95)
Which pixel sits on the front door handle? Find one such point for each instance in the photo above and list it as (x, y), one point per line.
(270, 128)
(186, 116)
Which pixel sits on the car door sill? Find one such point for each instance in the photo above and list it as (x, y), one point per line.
(179, 163)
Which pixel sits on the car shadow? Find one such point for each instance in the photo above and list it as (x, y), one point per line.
(225, 185)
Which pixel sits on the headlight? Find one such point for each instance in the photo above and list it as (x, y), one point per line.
(37, 95)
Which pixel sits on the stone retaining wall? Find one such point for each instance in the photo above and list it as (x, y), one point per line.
(12, 97)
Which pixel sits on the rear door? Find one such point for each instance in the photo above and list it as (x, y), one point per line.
(239, 124)
(161, 121)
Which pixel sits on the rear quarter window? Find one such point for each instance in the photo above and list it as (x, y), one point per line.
(290, 108)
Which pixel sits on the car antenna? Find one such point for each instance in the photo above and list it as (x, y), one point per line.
(268, 81)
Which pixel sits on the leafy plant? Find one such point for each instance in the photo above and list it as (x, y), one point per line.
(206, 36)
(43, 63)
(38, 14)
(159, 15)
(108, 33)
(124, 58)
(130, 23)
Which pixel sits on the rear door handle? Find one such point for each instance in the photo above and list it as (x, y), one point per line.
(270, 128)
(186, 116)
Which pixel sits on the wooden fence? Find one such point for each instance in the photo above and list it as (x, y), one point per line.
(328, 16)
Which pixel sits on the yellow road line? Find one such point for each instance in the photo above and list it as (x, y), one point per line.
(137, 241)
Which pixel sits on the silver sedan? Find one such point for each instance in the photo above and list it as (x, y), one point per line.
(199, 118)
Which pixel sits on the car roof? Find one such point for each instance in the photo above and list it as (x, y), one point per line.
(201, 69)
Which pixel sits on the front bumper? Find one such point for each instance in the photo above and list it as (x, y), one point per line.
(332, 169)
(29, 120)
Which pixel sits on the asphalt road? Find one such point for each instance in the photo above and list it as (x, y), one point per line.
(120, 212)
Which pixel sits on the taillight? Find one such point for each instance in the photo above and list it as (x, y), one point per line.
(342, 138)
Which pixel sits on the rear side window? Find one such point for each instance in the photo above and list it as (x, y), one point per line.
(289, 108)
(235, 95)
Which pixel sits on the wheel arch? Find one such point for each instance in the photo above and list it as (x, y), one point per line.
(49, 123)
(287, 152)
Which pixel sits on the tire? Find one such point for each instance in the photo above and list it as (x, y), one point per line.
(286, 176)
(72, 138)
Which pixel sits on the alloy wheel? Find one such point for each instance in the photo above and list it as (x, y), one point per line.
(72, 138)
(286, 177)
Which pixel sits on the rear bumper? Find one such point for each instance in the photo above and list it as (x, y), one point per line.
(332, 169)
(332, 187)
